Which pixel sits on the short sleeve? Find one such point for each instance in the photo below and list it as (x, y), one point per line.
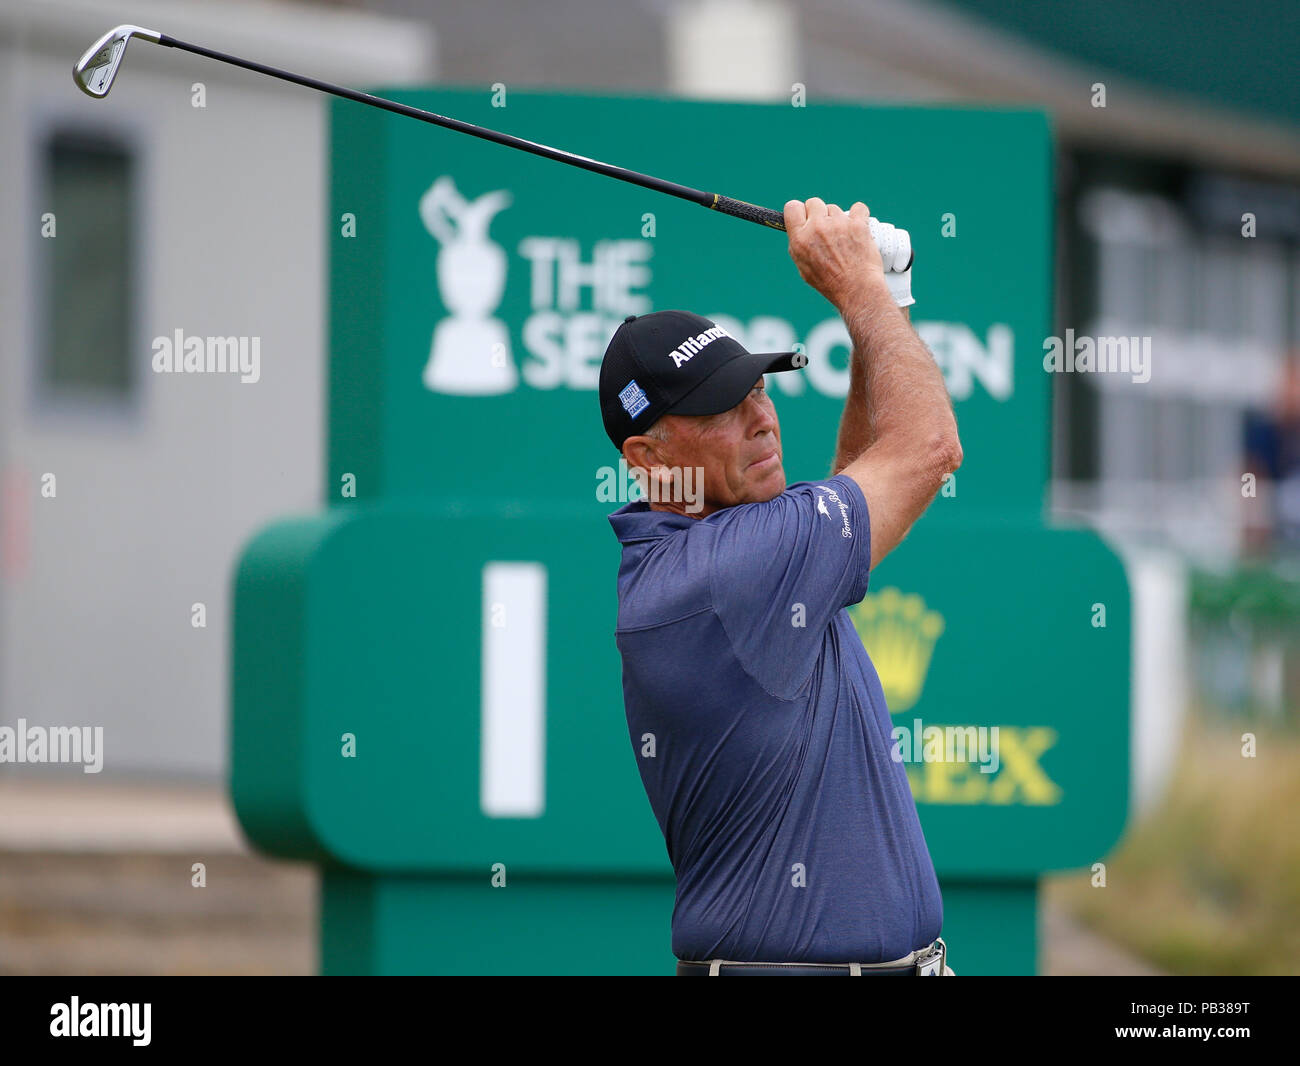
(781, 570)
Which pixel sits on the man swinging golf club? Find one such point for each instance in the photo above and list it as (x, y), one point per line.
(758, 720)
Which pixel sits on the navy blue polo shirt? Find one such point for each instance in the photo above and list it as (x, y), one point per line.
(793, 833)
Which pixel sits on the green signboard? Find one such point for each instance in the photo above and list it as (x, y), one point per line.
(426, 690)
(482, 285)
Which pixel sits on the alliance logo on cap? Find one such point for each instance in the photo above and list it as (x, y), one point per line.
(692, 345)
(633, 399)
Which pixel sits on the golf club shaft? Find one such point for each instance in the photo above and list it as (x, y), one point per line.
(728, 206)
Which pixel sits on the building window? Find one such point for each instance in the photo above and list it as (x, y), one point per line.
(89, 281)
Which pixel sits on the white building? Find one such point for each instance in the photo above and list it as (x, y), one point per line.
(210, 182)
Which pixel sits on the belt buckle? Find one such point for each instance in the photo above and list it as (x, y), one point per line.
(933, 965)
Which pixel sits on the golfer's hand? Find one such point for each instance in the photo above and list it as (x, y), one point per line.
(834, 251)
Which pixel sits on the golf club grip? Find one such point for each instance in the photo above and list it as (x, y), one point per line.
(764, 216)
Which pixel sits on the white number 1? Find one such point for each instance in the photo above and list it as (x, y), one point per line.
(513, 742)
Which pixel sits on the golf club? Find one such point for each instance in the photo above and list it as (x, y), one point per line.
(96, 69)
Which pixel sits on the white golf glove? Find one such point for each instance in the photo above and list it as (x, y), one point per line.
(895, 251)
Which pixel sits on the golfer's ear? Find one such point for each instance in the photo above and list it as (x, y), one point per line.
(642, 452)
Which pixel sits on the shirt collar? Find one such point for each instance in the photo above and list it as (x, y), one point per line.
(635, 521)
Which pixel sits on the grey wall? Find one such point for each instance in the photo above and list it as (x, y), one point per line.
(155, 498)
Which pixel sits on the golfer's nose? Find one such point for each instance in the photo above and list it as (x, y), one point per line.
(763, 414)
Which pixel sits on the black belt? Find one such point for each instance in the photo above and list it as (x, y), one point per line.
(928, 962)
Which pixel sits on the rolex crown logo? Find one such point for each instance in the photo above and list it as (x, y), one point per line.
(899, 634)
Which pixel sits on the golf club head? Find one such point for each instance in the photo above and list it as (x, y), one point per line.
(96, 69)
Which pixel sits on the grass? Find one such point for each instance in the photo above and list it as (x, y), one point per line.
(1209, 881)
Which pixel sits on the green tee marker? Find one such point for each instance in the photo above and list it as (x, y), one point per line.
(426, 691)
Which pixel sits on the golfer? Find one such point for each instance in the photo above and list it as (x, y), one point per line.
(757, 718)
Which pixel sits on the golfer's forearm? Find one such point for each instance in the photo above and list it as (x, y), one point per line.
(856, 430)
(896, 391)
(855, 434)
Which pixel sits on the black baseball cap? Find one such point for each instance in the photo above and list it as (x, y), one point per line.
(675, 362)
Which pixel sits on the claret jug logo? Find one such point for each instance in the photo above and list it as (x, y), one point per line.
(899, 633)
(470, 351)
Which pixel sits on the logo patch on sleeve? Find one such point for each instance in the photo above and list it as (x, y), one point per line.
(633, 399)
(834, 497)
